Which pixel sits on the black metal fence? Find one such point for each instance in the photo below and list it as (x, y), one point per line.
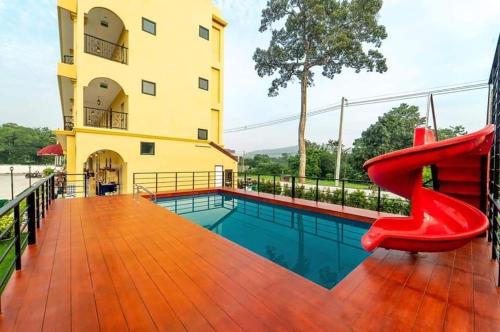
(100, 118)
(105, 49)
(494, 206)
(71, 185)
(20, 218)
(344, 192)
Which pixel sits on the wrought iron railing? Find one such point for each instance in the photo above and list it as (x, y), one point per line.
(95, 117)
(494, 184)
(105, 49)
(352, 193)
(68, 122)
(69, 59)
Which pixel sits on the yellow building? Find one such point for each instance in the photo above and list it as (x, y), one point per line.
(141, 88)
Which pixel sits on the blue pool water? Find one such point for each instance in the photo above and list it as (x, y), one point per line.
(320, 248)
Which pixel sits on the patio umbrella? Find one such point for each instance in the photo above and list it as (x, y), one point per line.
(51, 150)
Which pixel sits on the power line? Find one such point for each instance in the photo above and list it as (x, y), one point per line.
(456, 88)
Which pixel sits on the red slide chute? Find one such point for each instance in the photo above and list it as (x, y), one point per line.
(439, 220)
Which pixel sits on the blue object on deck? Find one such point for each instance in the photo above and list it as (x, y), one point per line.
(321, 248)
(106, 188)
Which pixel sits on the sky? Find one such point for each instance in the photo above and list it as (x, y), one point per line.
(430, 43)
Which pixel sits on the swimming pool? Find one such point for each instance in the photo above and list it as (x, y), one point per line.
(318, 247)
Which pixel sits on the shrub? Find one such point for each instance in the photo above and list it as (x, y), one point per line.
(6, 223)
(48, 171)
(357, 199)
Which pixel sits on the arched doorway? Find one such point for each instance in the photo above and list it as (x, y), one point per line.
(105, 104)
(106, 171)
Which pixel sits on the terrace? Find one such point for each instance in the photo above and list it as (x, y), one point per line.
(93, 264)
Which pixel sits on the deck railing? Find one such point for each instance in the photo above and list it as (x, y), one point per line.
(100, 118)
(105, 49)
(22, 216)
(348, 192)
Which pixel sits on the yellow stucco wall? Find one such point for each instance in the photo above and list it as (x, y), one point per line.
(170, 155)
(175, 58)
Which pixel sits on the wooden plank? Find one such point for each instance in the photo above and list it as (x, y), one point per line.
(116, 274)
(133, 307)
(13, 295)
(111, 317)
(58, 310)
(238, 313)
(31, 313)
(83, 310)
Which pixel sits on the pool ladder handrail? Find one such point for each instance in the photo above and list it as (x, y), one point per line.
(138, 188)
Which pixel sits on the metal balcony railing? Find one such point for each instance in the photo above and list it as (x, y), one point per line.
(105, 49)
(68, 122)
(68, 59)
(100, 118)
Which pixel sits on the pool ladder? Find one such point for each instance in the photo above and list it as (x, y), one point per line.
(138, 188)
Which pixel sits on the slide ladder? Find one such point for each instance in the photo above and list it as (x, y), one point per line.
(443, 219)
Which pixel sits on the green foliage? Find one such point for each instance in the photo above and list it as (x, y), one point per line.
(19, 145)
(6, 223)
(330, 34)
(392, 131)
(267, 187)
(452, 131)
(48, 171)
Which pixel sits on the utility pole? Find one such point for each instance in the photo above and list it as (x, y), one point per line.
(339, 144)
(428, 111)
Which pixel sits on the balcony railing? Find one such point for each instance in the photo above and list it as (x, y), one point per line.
(105, 49)
(68, 59)
(100, 118)
(68, 122)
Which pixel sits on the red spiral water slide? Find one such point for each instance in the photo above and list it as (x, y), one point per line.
(439, 220)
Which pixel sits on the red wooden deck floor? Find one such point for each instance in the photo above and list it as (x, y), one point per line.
(119, 263)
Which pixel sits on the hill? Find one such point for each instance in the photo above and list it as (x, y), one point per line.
(291, 150)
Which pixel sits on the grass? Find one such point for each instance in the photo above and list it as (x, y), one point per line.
(7, 266)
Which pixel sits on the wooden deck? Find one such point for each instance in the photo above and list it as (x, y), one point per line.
(122, 263)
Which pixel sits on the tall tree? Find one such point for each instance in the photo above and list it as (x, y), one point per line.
(305, 34)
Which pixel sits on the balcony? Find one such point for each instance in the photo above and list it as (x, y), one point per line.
(68, 122)
(101, 118)
(68, 59)
(105, 49)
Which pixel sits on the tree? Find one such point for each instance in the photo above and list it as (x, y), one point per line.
(305, 34)
(392, 131)
(19, 145)
(450, 132)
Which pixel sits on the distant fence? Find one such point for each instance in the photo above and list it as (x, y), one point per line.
(344, 192)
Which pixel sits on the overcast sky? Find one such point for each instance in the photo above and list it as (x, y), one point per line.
(430, 43)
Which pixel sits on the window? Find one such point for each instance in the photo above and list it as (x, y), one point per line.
(203, 134)
(204, 33)
(148, 26)
(147, 148)
(149, 88)
(203, 83)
